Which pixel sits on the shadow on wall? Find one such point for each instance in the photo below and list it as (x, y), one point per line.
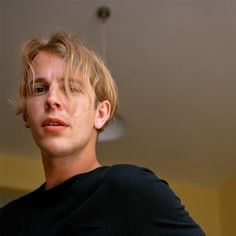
(9, 194)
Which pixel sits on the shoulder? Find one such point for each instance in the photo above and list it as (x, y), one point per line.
(143, 186)
(152, 206)
(125, 173)
(127, 170)
(20, 204)
(133, 178)
(144, 190)
(122, 171)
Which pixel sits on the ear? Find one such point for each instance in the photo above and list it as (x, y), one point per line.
(102, 114)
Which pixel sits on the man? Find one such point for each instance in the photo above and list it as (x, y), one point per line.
(67, 96)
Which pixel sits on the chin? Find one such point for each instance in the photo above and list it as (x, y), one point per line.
(54, 152)
(54, 149)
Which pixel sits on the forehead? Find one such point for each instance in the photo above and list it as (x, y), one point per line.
(46, 62)
(48, 65)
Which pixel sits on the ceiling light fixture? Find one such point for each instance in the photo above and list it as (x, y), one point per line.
(116, 129)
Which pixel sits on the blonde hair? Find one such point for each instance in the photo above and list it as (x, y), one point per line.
(77, 59)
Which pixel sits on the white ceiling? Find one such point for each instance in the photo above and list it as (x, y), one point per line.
(174, 63)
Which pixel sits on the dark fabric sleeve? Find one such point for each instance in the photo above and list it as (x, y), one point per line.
(154, 209)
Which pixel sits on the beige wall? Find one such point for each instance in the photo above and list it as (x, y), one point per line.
(21, 173)
(228, 208)
(203, 205)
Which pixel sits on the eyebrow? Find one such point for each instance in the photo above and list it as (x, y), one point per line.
(42, 80)
(38, 80)
(72, 80)
(31, 82)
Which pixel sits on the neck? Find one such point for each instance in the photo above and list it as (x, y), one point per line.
(59, 169)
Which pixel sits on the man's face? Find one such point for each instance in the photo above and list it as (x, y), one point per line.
(60, 125)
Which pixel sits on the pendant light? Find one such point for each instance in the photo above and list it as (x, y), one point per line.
(116, 129)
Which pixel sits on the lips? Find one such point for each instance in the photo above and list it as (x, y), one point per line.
(54, 122)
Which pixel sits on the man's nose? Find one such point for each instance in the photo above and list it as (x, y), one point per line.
(54, 99)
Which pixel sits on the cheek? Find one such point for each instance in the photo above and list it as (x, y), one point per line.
(31, 111)
(84, 117)
(82, 108)
(28, 110)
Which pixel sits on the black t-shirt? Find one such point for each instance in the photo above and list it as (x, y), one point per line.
(119, 200)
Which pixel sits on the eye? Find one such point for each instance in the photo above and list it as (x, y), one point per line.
(75, 90)
(39, 90)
